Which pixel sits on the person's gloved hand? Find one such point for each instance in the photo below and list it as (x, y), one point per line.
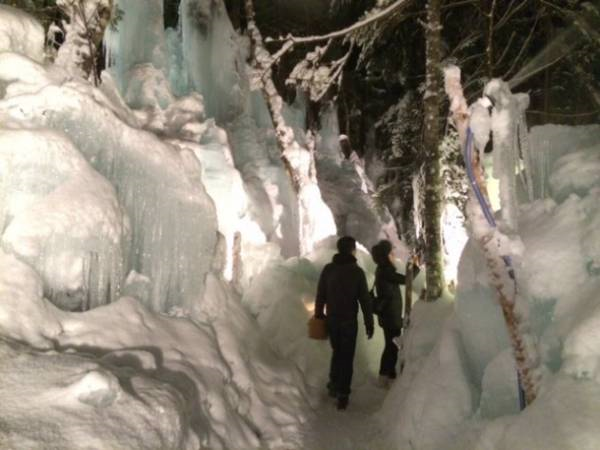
(370, 332)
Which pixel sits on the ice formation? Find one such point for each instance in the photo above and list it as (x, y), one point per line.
(350, 193)
(62, 218)
(506, 115)
(102, 199)
(558, 278)
(136, 203)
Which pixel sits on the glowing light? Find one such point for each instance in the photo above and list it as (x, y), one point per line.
(455, 237)
(309, 305)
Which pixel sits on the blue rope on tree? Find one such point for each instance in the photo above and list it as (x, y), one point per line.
(489, 216)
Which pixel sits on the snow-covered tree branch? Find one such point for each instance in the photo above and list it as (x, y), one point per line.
(87, 20)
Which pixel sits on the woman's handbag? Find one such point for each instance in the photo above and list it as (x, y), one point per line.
(317, 328)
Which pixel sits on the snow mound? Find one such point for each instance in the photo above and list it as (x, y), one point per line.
(557, 273)
(53, 400)
(198, 376)
(21, 297)
(21, 33)
(576, 173)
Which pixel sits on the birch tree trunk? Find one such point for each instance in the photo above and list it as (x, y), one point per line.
(315, 220)
(505, 286)
(431, 143)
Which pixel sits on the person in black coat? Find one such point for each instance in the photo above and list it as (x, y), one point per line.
(387, 288)
(342, 288)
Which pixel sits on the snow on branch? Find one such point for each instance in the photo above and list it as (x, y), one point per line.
(371, 17)
(458, 104)
(83, 35)
(501, 273)
(316, 78)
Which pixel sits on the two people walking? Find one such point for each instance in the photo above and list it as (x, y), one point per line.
(342, 288)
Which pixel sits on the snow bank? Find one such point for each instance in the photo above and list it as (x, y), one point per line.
(21, 33)
(54, 400)
(207, 384)
(558, 283)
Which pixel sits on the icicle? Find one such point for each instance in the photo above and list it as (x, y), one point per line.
(505, 117)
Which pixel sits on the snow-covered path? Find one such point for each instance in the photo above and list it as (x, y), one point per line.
(355, 428)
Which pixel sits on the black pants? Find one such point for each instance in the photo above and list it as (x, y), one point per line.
(389, 357)
(342, 336)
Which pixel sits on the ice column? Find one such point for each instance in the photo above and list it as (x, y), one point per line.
(506, 116)
(139, 37)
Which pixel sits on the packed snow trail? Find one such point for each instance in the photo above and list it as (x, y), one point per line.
(354, 428)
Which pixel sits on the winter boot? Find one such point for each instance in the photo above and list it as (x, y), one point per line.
(383, 381)
(342, 403)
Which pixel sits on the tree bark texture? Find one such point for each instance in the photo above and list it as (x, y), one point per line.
(431, 144)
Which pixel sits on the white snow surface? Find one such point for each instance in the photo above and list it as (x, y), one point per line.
(21, 33)
(163, 232)
(462, 395)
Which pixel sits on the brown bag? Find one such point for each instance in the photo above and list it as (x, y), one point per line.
(317, 328)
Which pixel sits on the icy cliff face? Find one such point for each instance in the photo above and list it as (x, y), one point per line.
(61, 217)
(214, 65)
(158, 187)
(99, 200)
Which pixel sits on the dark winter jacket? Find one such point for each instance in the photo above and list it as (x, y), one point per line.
(387, 288)
(342, 287)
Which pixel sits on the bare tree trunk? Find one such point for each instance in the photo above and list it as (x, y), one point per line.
(87, 21)
(262, 63)
(431, 143)
(489, 34)
(504, 286)
(298, 162)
